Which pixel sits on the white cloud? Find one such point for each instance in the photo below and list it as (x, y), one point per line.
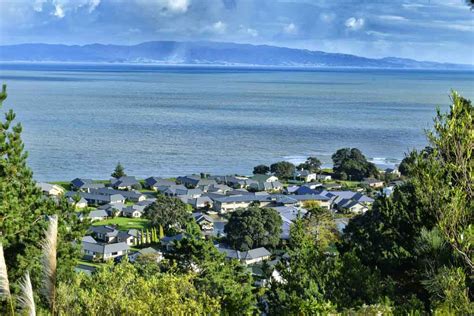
(174, 6)
(61, 7)
(327, 17)
(59, 11)
(219, 27)
(354, 23)
(392, 18)
(38, 5)
(252, 32)
(290, 29)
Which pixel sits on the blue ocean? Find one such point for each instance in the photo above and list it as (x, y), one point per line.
(80, 120)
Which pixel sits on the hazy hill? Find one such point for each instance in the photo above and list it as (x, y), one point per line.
(216, 53)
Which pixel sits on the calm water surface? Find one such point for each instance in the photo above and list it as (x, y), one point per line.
(80, 120)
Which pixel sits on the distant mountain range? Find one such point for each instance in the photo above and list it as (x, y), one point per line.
(206, 53)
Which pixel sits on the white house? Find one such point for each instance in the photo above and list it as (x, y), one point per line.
(50, 189)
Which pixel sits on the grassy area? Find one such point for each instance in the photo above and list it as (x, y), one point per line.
(89, 263)
(125, 223)
(65, 184)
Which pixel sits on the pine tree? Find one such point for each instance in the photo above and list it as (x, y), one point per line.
(119, 171)
(24, 211)
(162, 233)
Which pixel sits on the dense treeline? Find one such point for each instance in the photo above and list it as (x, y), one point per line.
(411, 253)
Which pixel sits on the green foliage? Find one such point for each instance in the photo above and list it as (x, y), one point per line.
(312, 164)
(351, 164)
(420, 239)
(227, 281)
(283, 169)
(119, 171)
(306, 274)
(24, 211)
(253, 227)
(168, 212)
(261, 169)
(121, 290)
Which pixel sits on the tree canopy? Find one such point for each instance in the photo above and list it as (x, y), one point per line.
(261, 169)
(253, 227)
(283, 169)
(311, 164)
(168, 212)
(119, 171)
(351, 164)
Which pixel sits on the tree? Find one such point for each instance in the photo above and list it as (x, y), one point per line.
(228, 281)
(352, 164)
(119, 171)
(403, 236)
(261, 169)
(253, 227)
(306, 274)
(168, 212)
(408, 162)
(132, 294)
(311, 164)
(24, 212)
(283, 169)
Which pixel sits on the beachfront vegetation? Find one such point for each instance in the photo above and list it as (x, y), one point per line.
(283, 169)
(411, 253)
(351, 164)
(261, 169)
(312, 164)
(119, 171)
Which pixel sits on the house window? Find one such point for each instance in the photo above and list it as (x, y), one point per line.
(114, 253)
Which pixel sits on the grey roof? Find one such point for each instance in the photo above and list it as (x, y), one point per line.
(79, 182)
(98, 213)
(105, 248)
(126, 194)
(45, 186)
(169, 239)
(89, 239)
(126, 181)
(155, 182)
(350, 195)
(114, 198)
(104, 229)
(244, 255)
(198, 217)
(148, 250)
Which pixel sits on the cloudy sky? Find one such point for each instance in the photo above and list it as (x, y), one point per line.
(438, 30)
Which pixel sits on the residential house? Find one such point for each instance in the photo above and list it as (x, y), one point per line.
(149, 252)
(194, 181)
(340, 200)
(168, 242)
(240, 182)
(85, 185)
(197, 202)
(393, 171)
(305, 175)
(50, 189)
(153, 183)
(97, 199)
(132, 195)
(95, 215)
(204, 221)
(373, 183)
(102, 251)
(124, 183)
(246, 257)
(134, 211)
(81, 203)
(218, 188)
(172, 190)
(323, 177)
(267, 186)
(107, 234)
(351, 206)
(288, 214)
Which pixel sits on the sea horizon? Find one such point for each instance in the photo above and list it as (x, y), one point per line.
(251, 102)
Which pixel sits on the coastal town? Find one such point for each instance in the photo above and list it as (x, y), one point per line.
(120, 228)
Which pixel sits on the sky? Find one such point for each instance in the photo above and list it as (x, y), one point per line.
(434, 30)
